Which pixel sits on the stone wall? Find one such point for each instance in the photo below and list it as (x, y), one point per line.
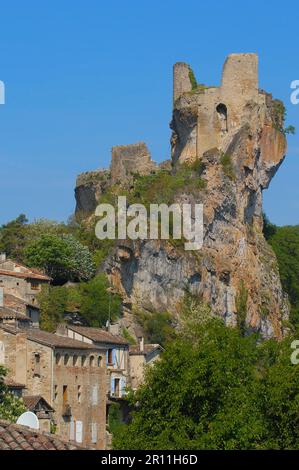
(209, 116)
(129, 159)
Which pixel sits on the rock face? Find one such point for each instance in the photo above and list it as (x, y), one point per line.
(89, 187)
(236, 133)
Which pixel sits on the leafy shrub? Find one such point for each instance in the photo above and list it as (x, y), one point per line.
(227, 166)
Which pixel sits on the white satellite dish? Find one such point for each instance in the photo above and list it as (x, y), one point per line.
(29, 419)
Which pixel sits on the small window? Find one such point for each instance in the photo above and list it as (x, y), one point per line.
(34, 285)
(222, 114)
(100, 362)
(79, 393)
(57, 359)
(65, 394)
(117, 387)
(91, 361)
(83, 361)
(55, 392)
(66, 359)
(75, 360)
(37, 364)
(110, 356)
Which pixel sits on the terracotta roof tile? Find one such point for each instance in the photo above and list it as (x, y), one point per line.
(9, 313)
(25, 275)
(51, 339)
(16, 437)
(48, 339)
(98, 335)
(30, 401)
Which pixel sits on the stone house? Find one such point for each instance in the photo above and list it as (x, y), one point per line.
(20, 281)
(69, 375)
(116, 354)
(142, 356)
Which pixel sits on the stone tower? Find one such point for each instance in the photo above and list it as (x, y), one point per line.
(207, 117)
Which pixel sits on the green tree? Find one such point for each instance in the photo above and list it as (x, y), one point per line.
(53, 302)
(98, 303)
(10, 407)
(62, 257)
(285, 243)
(202, 394)
(13, 237)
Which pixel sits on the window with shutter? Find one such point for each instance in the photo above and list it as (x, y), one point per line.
(79, 431)
(72, 429)
(94, 395)
(94, 433)
(112, 386)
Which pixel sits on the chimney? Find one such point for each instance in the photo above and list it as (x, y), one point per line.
(141, 344)
(2, 257)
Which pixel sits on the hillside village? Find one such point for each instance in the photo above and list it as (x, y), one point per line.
(220, 314)
(69, 378)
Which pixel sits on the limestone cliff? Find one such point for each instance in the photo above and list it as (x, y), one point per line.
(236, 132)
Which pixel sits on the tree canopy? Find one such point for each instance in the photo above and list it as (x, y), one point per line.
(216, 389)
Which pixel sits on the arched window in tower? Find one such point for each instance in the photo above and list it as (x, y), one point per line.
(222, 115)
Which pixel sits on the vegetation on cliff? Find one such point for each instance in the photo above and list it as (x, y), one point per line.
(285, 243)
(92, 299)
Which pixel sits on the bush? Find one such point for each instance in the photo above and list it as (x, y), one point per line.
(62, 257)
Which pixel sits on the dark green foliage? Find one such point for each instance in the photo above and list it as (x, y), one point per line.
(192, 79)
(93, 300)
(53, 302)
(62, 257)
(98, 304)
(13, 237)
(115, 419)
(279, 116)
(163, 187)
(285, 243)
(214, 389)
(10, 407)
(158, 326)
(269, 229)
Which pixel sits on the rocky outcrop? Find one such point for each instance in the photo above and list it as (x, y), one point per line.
(126, 161)
(235, 260)
(89, 187)
(236, 133)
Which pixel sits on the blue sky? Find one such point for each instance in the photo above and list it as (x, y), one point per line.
(83, 76)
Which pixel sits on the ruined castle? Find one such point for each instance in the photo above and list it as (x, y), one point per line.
(216, 112)
(236, 132)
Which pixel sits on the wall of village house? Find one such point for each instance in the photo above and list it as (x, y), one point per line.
(138, 363)
(86, 396)
(14, 355)
(39, 370)
(21, 287)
